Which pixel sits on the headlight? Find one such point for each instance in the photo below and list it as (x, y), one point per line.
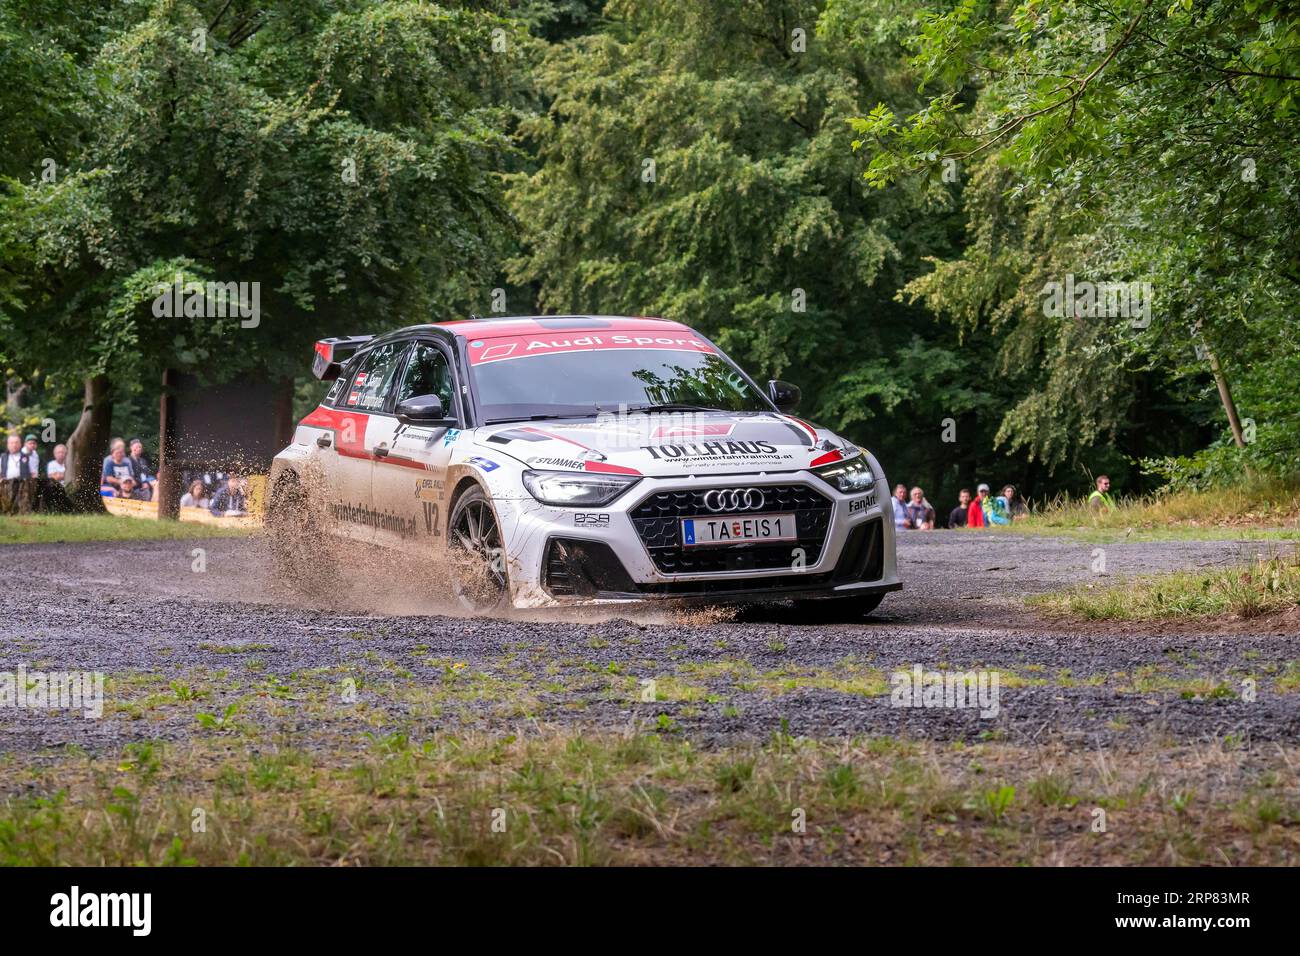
(576, 488)
(848, 476)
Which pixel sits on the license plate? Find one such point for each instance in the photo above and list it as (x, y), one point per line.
(737, 529)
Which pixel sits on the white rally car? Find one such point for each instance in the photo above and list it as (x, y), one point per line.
(577, 459)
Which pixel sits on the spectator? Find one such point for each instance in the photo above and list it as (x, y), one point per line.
(33, 456)
(116, 467)
(1100, 499)
(995, 510)
(15, 462)
(957, 517)
(919, 513)
(127, 488)
(143, 473)
(229, 501)
(900, 507)
(1014, 504)
(57, 469)
(975, 514)
(196, 497)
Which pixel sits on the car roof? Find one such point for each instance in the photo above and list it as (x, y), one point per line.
(512, 325)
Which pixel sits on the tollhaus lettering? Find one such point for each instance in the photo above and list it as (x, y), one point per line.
(717, 451)
(371, 517)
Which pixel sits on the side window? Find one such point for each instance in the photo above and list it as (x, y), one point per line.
(336, 388)
(373, 380)
(428, 374)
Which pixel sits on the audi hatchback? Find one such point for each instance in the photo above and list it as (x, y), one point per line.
(580, 459)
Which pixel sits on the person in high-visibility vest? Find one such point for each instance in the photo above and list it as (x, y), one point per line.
(1100, 500)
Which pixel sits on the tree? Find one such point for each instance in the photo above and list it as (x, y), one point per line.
(336, 157)
(1126, 141)
(694, 163)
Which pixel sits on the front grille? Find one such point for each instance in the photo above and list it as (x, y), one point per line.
(658, 522)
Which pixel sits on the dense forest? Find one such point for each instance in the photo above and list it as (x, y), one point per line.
(998, 241)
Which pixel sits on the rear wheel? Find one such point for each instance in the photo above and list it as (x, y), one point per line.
(477, 555)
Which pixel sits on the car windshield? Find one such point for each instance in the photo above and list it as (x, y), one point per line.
(588, 382)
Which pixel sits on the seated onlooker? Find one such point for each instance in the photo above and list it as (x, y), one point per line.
(919, 513)
(127, 488)
(229, 500)
(143, 472)
(196, 497)
(15, 462)
(1014, 504)
(57, 468)
(900, 507)
(116, 467)
(957, 517)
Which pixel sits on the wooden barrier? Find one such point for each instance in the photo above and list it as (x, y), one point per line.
(148, 510)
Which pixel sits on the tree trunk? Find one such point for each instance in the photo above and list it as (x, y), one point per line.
(88, 444)
(1225, 396)
(15, 396)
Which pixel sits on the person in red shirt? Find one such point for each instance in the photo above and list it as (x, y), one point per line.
(975, 515)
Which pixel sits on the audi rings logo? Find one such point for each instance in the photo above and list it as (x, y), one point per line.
(734, 499)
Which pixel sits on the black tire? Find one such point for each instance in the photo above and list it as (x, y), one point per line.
(476, 558)
(840, 609)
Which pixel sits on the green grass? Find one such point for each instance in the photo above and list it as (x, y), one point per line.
(1261, 511)
(1267, 586)
(50, 529)
(386, 796)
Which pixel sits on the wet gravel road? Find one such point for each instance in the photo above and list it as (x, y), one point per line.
(150, 619)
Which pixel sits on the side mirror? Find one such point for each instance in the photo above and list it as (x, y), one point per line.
(423, 410)
(783, 395)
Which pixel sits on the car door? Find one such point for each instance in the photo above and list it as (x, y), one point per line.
(363, 403)
(411, 470)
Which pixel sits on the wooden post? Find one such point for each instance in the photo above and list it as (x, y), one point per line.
(167, 492)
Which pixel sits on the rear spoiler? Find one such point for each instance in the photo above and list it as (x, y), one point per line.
(330, 354)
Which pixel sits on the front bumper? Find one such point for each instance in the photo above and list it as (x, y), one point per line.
(626, 551)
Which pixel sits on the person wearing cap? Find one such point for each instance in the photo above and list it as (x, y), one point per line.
(33, 456)
(127, 488)
(975, 513)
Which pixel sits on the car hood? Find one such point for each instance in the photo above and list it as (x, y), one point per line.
(668, 444)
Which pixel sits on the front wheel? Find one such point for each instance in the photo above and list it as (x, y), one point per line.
(300, 551)
(477, 555)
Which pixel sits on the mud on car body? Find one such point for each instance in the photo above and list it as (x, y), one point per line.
(574, 459)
